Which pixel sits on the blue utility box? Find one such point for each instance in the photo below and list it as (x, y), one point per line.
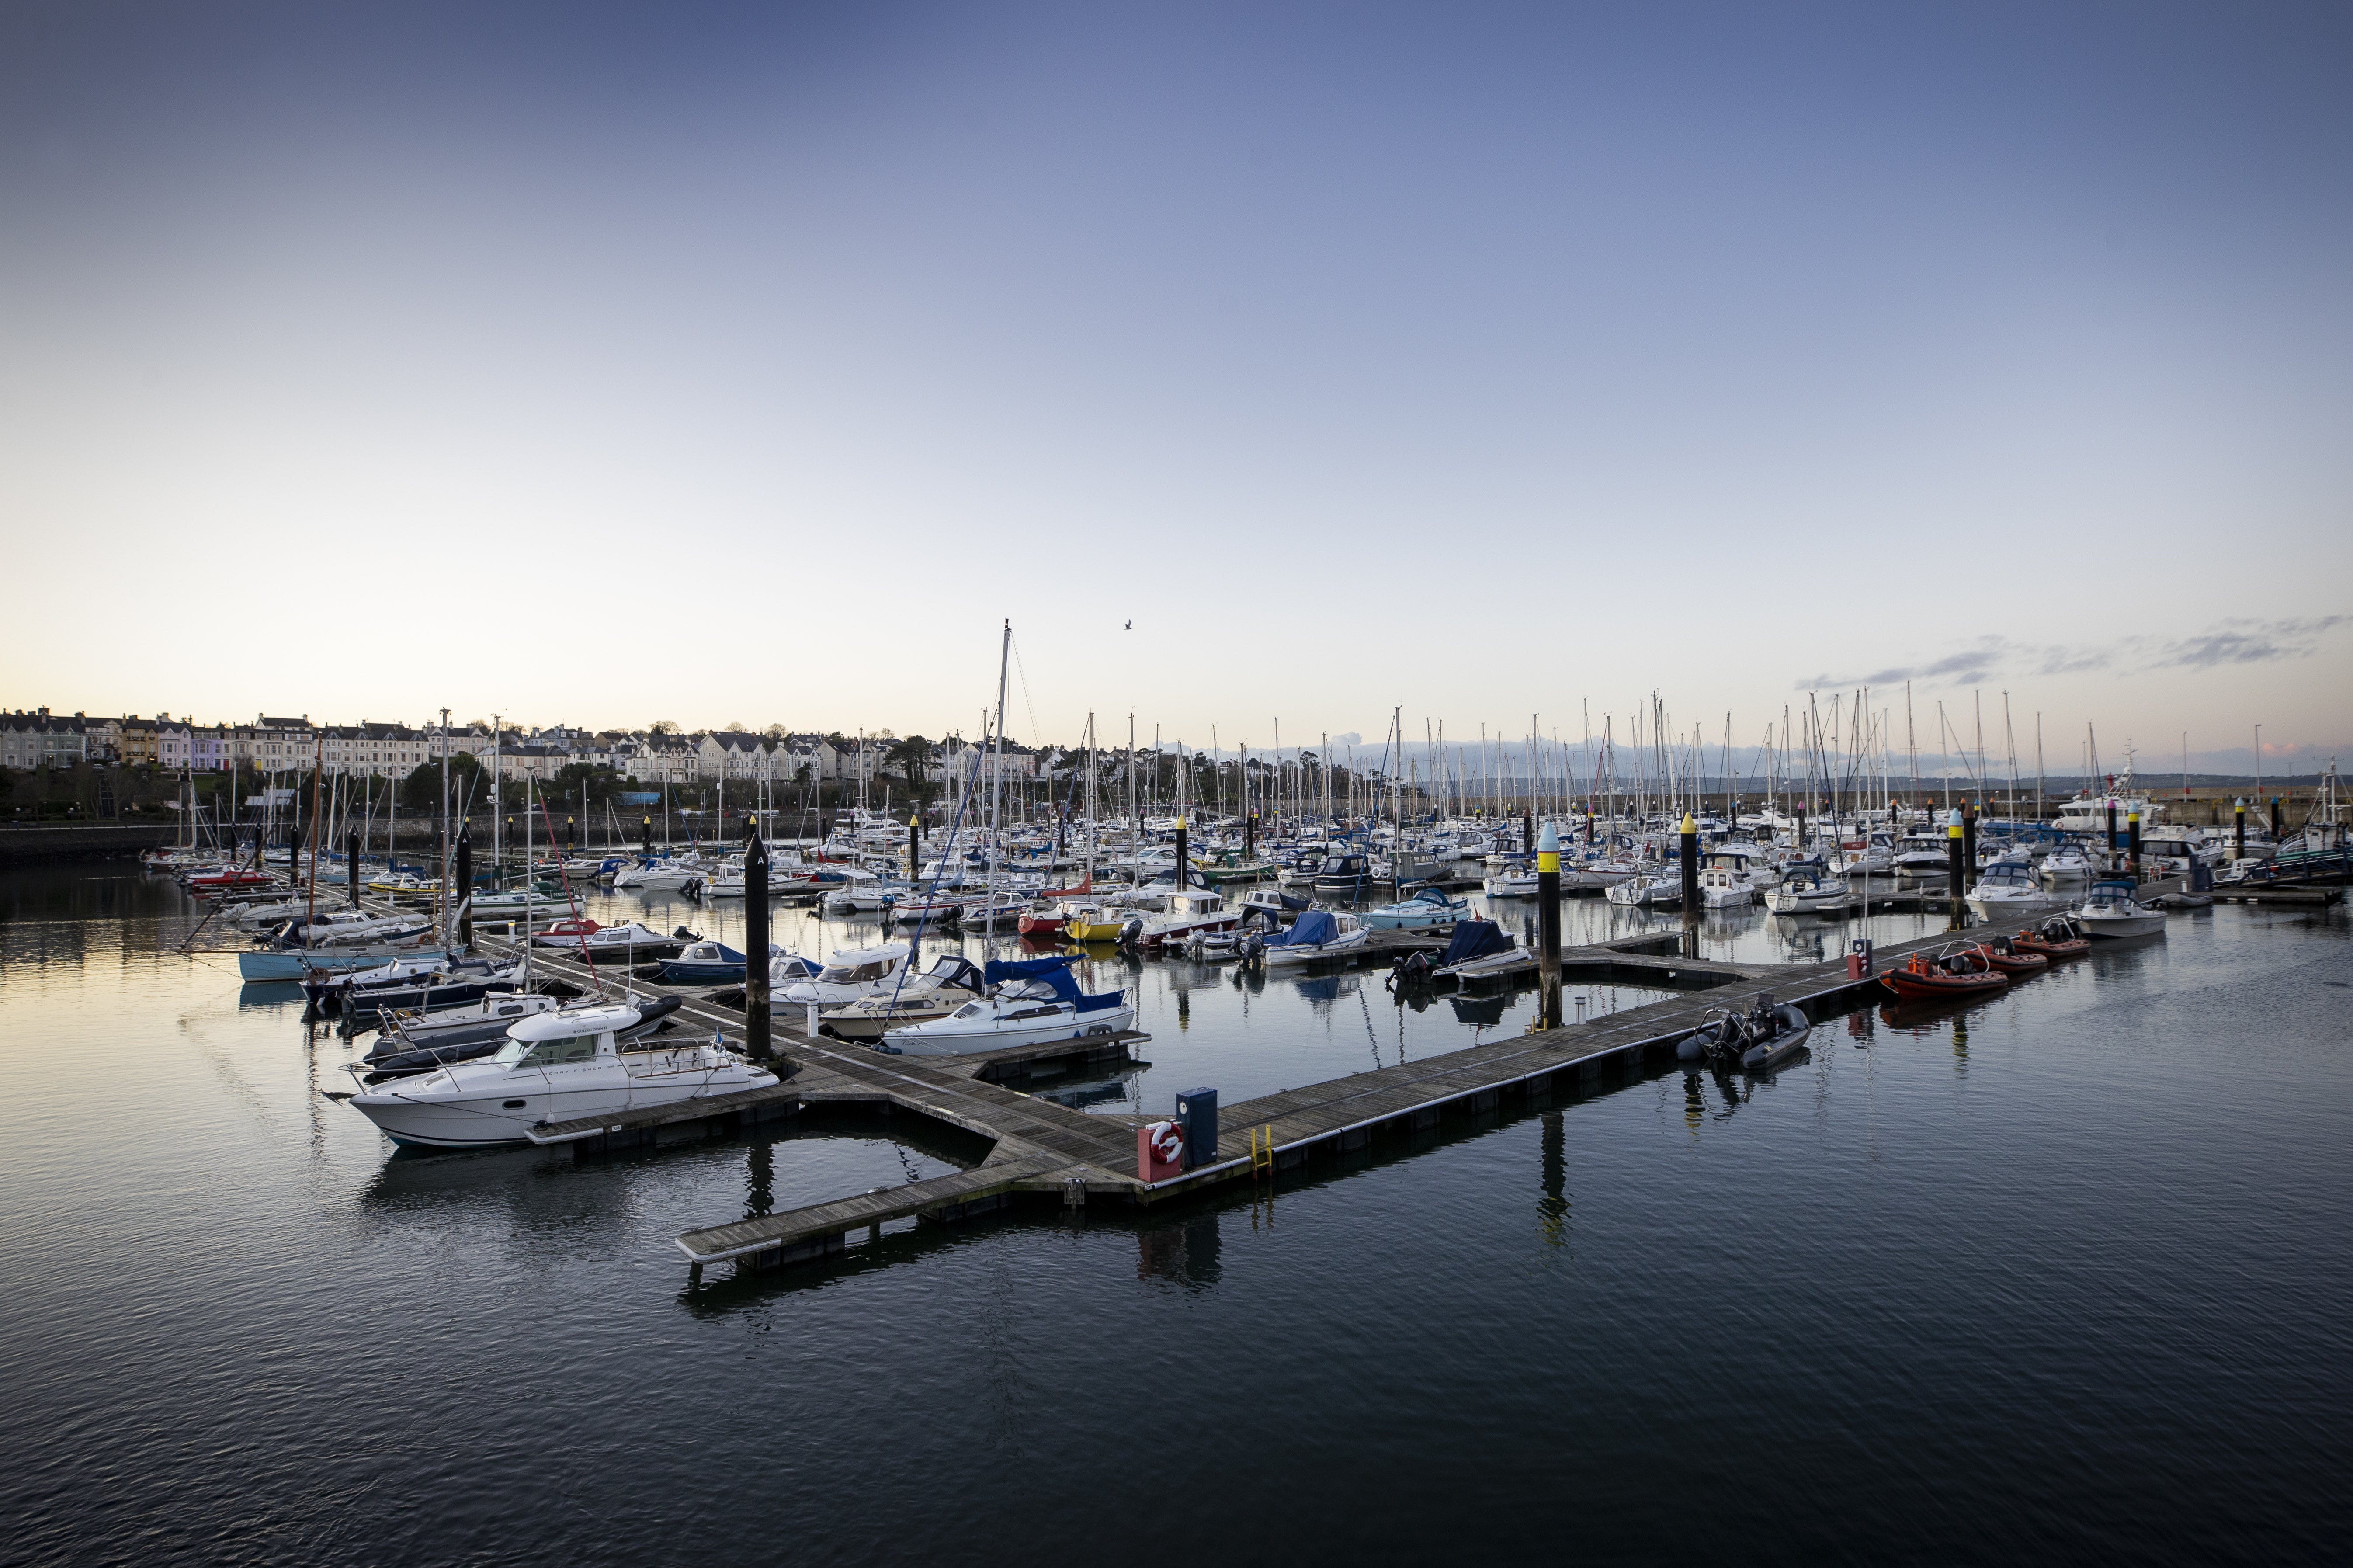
(1197, 1113)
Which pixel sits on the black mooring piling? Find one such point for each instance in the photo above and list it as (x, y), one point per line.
(757, 1038)
(1548, 923)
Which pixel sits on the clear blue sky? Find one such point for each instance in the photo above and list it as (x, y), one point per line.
(608, 363)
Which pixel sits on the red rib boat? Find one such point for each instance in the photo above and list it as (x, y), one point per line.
(1998, 953)
(2058, 937)
(1958, 970)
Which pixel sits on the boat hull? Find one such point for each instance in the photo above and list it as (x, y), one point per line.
(495, 1121)
(1289, 957)
(920, 1042)
(289, 963)
(2122, 925)
(1919, 987)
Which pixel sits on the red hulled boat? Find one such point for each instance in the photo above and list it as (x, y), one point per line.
(1998, 953)
(2058, 937)
(1959, 970)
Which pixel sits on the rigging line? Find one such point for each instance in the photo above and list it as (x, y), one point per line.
(1029, 705)
(915, 946)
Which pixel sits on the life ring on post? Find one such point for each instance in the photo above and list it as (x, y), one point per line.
(1167, 1143)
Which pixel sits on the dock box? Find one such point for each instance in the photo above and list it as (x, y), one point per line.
(1197, 1113)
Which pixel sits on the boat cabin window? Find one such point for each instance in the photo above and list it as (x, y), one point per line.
(562, 1052)
(857, 973)
(969, 1010)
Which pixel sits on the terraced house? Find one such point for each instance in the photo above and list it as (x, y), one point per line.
(39, 740)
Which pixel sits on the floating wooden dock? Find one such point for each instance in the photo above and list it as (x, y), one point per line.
(1049, 1152)
(1039, 1151)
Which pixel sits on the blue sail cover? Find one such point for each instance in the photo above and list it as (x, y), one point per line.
(1474, 938)
(1054, 972)
(1313, 929)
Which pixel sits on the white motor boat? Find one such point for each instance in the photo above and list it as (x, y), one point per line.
(2066, 865)
(1514, 884)
(1035, 1001)
(1317, 935)
(555, 1067)
(950, 983)
(490, 1017)
(654, 876)
(1875, 859)
(1645, 891)
(1811, 895)
(1922, 854)
(625, 939)
(2115, 909)
(2008, 889)
(1428, 909)
(916, 910)
(1601, 873)
(1190, 910)
(1001, 912)
(853, 974)
(254, 916)
(1722, 886)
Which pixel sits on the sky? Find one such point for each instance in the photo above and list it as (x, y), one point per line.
(1263, 364)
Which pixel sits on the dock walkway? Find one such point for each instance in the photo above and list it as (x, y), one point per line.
(1040, 1147)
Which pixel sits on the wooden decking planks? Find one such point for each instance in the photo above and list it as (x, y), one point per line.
(1037, 1144)
(827, 1221)
(1297, 1117)
(774, 1095)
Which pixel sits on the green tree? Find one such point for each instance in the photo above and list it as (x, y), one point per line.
(911, 757)
(421, 790)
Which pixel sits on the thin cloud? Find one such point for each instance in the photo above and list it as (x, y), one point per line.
(2246, 642)
(2239, 641)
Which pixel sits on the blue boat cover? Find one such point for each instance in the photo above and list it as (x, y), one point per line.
(1475, 939)
(1022, 968)
(1054, 972)
(1313, 929)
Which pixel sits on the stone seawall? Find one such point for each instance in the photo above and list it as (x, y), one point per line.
(80, 841)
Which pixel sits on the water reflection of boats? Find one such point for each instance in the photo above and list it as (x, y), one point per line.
(1479, 1011)
(1327, 988)
(1096, 1092)
(1918, 1016)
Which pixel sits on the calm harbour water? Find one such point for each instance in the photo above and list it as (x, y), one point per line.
(2063, 1276)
